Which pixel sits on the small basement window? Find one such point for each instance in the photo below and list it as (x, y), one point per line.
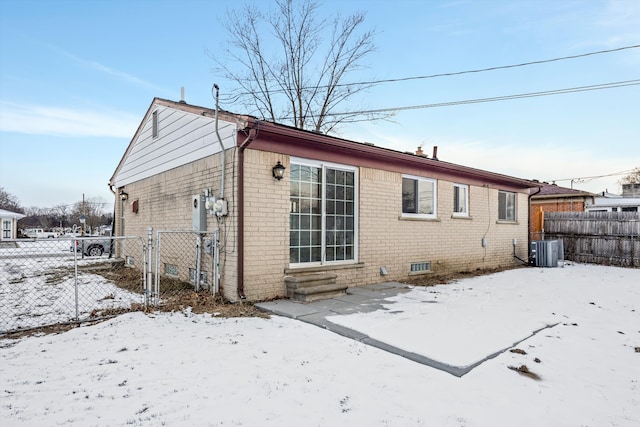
(420, 267)
(171, 270)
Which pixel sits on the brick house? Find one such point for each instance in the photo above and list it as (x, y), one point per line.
(343, 214)
(553, 198)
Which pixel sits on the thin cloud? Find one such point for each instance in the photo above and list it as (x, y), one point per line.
(97, 66)
(94, 65)
(46, 120)
(104, 69)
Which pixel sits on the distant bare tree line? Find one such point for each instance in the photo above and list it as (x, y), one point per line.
(60, 216)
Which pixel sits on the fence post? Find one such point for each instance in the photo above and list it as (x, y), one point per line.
(148, 276)
(216, 261)
(198, 261)
(75, 265)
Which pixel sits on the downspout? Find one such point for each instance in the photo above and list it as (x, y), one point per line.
(250, 137)
(113, 219)
(528, 227)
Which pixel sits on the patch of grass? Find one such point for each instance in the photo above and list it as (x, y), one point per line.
(436, 278)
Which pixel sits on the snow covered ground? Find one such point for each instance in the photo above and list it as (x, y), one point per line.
(38, 286)
(182, 369)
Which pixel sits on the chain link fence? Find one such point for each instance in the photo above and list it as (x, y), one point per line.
(45, 282)
(185, 262)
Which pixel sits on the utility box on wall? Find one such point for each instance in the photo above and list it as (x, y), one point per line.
(199, 213)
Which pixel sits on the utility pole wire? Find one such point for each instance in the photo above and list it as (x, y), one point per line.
(594, 177)
(497, 98)
(479, 70)
(500, 67)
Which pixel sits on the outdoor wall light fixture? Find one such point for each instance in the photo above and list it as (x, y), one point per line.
(278, 171)
(123, 196)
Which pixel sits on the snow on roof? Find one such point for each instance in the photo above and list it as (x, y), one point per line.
(9, 214)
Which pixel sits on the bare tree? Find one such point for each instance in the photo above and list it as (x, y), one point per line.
(301, 79)
(632, 178)
(93, 209)
(9, 202)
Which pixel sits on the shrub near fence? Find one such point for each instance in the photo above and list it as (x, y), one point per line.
(608, 238)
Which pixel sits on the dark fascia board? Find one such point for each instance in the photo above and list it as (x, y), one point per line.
(296, 142)
(582, 195)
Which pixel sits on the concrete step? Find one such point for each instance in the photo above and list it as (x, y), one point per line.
(312, 287)
(310, 280)
(315, 293)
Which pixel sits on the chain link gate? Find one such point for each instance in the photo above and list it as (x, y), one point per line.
(185, 261)
(45, 282)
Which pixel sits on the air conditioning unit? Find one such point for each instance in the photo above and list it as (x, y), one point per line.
(546, 253)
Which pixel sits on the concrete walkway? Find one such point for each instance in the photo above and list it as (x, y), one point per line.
(361, 299)
(364, 299)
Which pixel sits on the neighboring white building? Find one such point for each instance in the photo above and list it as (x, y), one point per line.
(9, 224)
(629, 201)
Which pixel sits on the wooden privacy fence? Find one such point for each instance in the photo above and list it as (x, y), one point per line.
(608, 238)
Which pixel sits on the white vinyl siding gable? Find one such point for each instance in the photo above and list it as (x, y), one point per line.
(182, 138)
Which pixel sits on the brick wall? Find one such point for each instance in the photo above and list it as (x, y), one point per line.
(449, 243)
(385, 238)
(575, 204)
(165, 203)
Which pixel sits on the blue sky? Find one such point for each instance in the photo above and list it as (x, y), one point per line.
(76, 78)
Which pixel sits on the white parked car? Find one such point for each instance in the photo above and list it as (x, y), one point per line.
(39, 233)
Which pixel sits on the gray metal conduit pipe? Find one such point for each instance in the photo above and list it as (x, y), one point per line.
(223, 162)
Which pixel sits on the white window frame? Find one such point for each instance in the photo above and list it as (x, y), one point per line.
(515, 206)
(7, 229)
(434, 186)
(356, 197)
(464, 187)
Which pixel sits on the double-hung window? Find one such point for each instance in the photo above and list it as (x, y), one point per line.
(418, 197)
(460, 200)
(6, 229)
(323, 214)
(506, 206)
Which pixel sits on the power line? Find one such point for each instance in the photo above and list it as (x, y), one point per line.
(594, 177)
(500, 67)
(491, 99)
(455, 73)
